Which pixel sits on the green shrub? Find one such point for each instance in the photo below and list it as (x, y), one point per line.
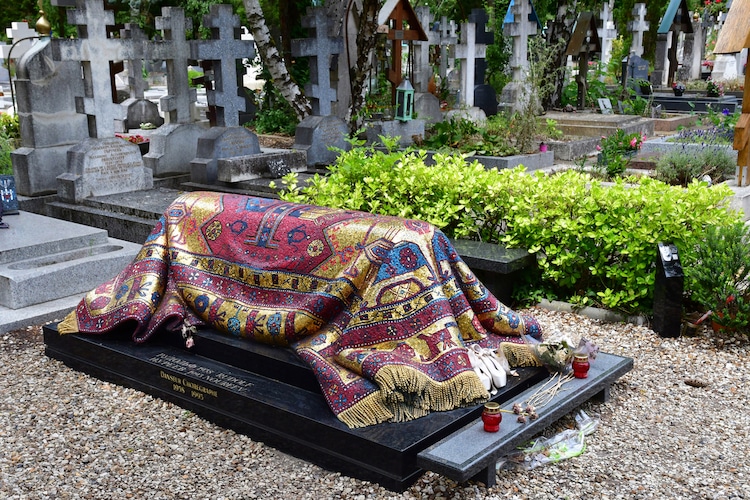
(280, 120)
(9, 141)
(717, 272)
(680, 167)
(596, 244)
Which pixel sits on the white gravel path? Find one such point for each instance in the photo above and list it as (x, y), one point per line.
(65, 435)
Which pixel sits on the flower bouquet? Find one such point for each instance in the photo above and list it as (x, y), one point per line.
(678, 88)
(714, 89)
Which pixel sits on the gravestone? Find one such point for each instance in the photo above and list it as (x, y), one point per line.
(472, 49)
(423, 51)
(605, 106)
(676, 19)
(638, 26)
(427, 108)
(584, 41)
(100, 167)
(636, 69)
(138, 110)
(220, 142)
(226, 97)
(520, 23)
(174, 144)
(21, 39)
(607, 32)
(322, 51)
(315, 134)
(49, 125)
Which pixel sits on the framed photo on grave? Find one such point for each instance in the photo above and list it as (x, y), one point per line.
(8, 194)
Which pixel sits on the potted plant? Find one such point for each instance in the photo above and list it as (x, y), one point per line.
(678, 88)
(717, 279)
(714, 89)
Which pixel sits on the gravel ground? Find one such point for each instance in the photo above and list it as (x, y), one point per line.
(64, 434)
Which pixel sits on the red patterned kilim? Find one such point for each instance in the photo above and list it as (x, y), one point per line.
(381, 308)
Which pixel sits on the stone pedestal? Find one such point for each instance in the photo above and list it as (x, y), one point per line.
(220, 142)
(405, 131)
(315, 134)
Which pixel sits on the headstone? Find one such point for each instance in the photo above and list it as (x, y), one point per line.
(173, 145)
(520, 23)
(93, 49)
(638, 26)
(607, 32)
(138, 110)
(636, 68)
(584, 41)
(22, 38)
(427, 108)
(605, 105)
(49, 125)
(100, 167)
(448, 40)
(473, 46)
(224, 49)
(322, 51)
(316, 134)
(220, 142)
(423, 51)
(676, 19)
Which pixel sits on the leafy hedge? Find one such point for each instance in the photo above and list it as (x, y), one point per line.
(596, 242)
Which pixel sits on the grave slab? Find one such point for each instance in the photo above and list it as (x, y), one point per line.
(44, 259)
(271, 164)
(220, 142)
(268, 394)
(316, 134)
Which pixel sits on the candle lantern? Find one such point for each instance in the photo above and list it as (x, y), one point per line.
(404, 101)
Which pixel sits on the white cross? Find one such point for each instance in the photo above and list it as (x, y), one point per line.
(16, 32)
(638, 26)
(607, 33)
(520, 30)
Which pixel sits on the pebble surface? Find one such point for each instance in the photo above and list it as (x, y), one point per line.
(677, 426)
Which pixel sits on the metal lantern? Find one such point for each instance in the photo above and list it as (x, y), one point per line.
(404, 101)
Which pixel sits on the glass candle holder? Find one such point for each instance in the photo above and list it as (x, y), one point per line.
(581, 366)
(492, 417)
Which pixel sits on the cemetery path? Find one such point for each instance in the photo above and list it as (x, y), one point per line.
(676, 426)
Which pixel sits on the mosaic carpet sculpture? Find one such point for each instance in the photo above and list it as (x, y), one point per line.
(381, 308)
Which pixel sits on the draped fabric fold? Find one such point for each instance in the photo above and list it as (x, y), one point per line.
(381, 308)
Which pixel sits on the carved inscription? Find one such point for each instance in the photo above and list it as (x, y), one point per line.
(112, 165)
(181, 384)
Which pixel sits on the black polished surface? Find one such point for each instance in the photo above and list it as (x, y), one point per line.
(267, 393)
(492, 257)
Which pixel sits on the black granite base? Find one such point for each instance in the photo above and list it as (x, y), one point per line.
(268, 394)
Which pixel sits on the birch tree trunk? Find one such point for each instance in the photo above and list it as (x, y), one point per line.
(273, 61)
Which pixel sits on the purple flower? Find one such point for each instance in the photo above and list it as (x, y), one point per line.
(725, 112)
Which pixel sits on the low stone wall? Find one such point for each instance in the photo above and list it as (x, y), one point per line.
(664, 145)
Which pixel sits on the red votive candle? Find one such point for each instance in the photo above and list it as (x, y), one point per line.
(492, 417)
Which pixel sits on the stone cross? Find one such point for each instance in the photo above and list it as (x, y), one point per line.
(638, 26)
(423, 50)
(471, 52)
(17, 32)
(94, 50)
(321, 50)
(519, 28)
(448, 39)
(175, 50)
(607, 33)
(224, 49)
(136, 83)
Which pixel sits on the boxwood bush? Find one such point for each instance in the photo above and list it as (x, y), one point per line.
(595, 242)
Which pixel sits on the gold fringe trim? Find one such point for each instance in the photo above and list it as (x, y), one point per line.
(519, 354)
(406, 394)
(69, 324)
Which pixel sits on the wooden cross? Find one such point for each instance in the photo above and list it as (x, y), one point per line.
(734, 36)
(403, 24)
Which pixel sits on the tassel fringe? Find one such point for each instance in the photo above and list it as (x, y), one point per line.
(69, 324)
